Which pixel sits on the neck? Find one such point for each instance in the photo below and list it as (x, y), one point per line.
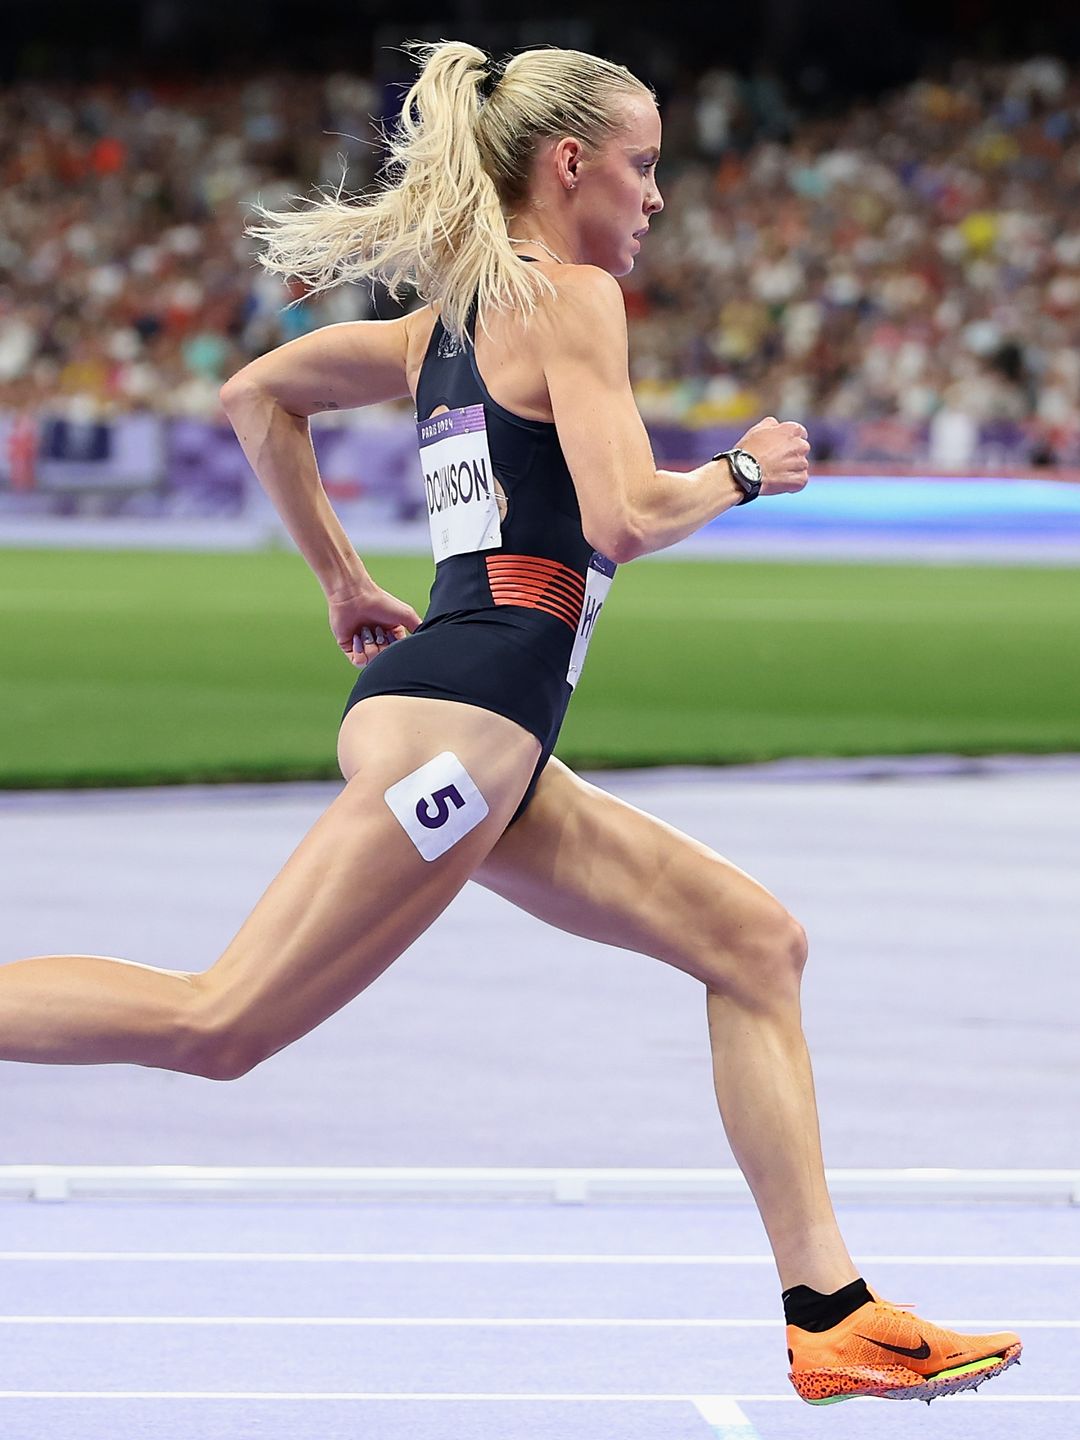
(539, 228)
(538, 245)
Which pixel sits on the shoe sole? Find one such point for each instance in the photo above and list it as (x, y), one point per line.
(894, 1382)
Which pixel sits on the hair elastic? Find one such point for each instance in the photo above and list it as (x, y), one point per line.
(489, 79)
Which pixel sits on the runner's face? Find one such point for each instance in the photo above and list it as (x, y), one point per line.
(619, 181)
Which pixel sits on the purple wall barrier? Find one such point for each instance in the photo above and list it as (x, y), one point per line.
(148, 466)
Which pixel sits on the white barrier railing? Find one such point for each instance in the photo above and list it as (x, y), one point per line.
(563, 1186)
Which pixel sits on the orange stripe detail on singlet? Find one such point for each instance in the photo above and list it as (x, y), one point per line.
(528, 564)
(527, 594)
(534, 565)
(553, 591)
(537, 584)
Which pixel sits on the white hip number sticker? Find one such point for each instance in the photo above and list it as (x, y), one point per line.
(597, 584)
(437, 804)
(459, 484)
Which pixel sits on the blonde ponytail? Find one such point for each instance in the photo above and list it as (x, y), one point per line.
(457, 159)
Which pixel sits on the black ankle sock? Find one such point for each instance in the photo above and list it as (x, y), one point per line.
(810, 1310)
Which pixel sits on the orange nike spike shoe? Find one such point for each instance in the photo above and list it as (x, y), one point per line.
(882, 1350)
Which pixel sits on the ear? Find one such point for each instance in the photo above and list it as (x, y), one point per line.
(568, 155)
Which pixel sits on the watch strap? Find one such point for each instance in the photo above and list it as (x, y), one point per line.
(751, 488)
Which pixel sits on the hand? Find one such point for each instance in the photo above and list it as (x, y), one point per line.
(367, 619)
(781, 450)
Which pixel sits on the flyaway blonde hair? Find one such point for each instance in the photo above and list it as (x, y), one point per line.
(459, 164)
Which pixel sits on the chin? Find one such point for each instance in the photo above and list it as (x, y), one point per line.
(612, 252)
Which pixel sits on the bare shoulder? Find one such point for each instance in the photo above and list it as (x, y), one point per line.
(585, 286)
(418, 327)
(587, 310)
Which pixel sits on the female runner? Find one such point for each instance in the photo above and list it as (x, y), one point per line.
(518, 194)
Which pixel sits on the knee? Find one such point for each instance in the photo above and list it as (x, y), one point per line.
(764, 964)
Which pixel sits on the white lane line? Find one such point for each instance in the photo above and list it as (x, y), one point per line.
(324, 1257)
(416, 1398)
(726, 1417)
(451, 1322)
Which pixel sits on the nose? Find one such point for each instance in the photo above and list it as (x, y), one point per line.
(655, 202)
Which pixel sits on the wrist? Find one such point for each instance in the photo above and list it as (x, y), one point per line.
(346, 582)
(733, 493)
(746, 473)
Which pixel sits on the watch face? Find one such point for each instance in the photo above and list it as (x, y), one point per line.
(748, 467)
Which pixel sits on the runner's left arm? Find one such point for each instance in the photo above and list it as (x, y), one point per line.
(269, 402)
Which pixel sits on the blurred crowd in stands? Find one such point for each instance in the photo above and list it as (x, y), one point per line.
(910, 267)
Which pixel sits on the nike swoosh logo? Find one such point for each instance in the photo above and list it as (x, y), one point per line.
(921, 1353)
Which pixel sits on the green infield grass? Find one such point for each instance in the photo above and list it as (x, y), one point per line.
(140, 667)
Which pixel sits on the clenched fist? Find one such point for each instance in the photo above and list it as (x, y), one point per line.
(781, 449)
(366, 620)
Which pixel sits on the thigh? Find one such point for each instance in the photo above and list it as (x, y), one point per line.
(591, 864)
(357, 891)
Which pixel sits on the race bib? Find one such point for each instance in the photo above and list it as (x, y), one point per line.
(437, 804)
(459, 483)
(598, 580)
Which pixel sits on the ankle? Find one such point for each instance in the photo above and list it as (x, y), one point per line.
(811, 1310)
(825, 1278)
(813, 1254)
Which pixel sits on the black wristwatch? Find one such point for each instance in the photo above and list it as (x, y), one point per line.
(745, 471)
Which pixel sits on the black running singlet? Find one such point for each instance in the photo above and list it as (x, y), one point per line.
(517, 587)
(534, 558)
